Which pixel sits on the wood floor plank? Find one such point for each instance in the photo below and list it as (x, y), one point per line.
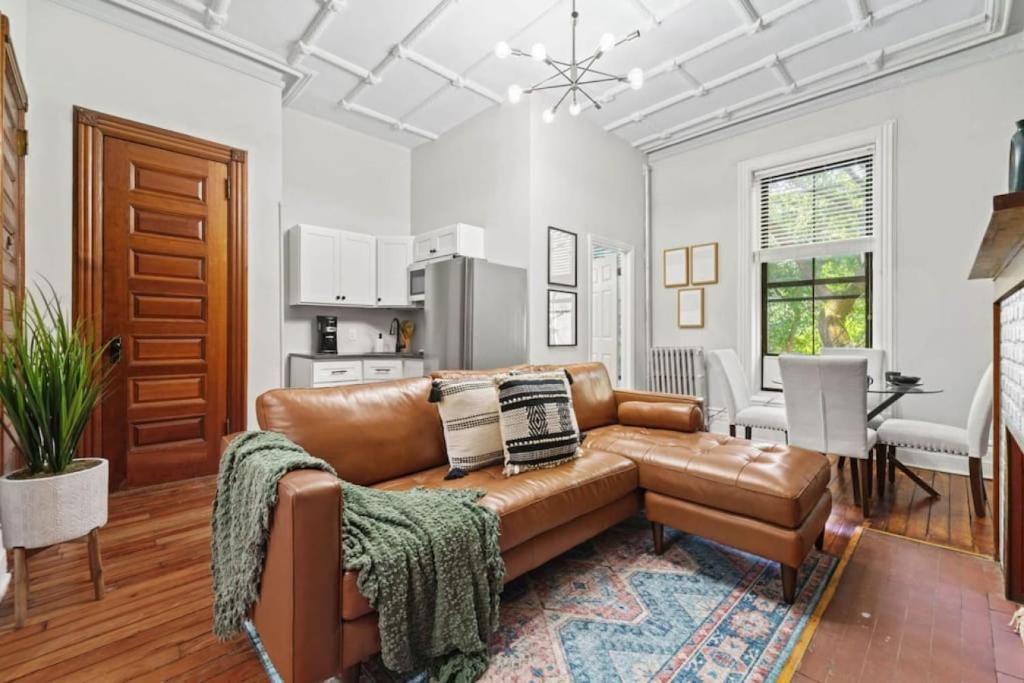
(154, 623)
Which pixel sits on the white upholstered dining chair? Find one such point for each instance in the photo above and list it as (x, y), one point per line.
(971, 443)
(826, 411)
(736, 395)
(876, 371)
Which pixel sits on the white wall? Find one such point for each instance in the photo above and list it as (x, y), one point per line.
(78, 60)
(340, 178)
(17, 15)
(479, 173)
(952, 133)
(506, 170)
(590, 182)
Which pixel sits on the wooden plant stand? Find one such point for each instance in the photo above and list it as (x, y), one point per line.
(21, 556)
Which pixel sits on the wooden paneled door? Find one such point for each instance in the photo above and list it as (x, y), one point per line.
(13, 148)
(167, 257)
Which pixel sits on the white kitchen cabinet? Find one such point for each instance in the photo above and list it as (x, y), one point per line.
(314, 272)
(334, 267)
(459, 239)
(357, 259)
(319, 372)
(394, 255)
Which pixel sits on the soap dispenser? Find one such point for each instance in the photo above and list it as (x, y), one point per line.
(378, 346)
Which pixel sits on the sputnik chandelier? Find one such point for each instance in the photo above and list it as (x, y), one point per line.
(571, 76)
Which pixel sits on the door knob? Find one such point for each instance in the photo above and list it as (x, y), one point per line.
(115, 349)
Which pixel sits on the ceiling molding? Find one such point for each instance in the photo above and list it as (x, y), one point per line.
(874, 65)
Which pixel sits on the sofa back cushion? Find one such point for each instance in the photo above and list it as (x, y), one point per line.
(368, 432)
(592, 394)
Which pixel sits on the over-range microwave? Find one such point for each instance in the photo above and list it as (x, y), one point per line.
(417, 282)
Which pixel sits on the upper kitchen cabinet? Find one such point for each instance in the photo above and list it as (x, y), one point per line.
(459, 239)
(394, 255)
(329, 267)
(314, 275)
(357, 260)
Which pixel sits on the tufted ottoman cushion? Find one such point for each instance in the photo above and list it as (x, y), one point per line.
(776, 484)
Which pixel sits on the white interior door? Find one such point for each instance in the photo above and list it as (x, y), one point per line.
(604, 317)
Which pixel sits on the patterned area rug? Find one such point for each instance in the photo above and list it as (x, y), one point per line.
(612, 610)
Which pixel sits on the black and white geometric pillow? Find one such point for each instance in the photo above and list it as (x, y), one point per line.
(469, 416)
(538, 423)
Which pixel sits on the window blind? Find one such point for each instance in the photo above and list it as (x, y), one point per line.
(826, 203)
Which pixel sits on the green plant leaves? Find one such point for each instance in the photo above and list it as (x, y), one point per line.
(51, 377)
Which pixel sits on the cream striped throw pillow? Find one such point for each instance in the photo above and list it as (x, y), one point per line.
(469, 416)
(538, 423)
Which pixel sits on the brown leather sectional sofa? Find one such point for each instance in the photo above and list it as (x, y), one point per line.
(640, 449)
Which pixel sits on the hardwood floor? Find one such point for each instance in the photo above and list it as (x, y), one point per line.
(154, 623)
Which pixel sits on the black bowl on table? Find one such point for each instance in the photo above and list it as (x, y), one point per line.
(905, 381)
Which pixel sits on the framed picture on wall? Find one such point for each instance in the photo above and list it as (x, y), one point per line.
(561, 257)
(704, 264)
(561, 318)
(676, 267)
(690, 307)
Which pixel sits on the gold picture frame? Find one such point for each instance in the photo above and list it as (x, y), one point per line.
(704, 264)
(675, 267)
(690, 307)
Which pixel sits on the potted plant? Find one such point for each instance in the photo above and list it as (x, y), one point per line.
(51, 376)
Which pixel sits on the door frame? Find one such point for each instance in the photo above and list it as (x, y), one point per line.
(91, 128)
(628, 302)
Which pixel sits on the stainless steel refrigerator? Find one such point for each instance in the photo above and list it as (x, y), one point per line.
(475, 315)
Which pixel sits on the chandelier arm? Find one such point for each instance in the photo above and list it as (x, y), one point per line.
(556, 86)
(539, 85)
(602, 80)
(562, 99)
(561, 71)
(594, 102)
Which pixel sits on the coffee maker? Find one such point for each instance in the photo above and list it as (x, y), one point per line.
(326, 334)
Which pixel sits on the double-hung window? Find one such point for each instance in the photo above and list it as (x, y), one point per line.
(814, 247)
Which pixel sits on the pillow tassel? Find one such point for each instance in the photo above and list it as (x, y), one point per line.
(455, 473)
(435, 393)
(568, 376)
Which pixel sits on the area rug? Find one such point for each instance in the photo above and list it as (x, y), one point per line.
(612, 610)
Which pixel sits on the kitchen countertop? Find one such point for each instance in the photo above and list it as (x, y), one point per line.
(357, 356)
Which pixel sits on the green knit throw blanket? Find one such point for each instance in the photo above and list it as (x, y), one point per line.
(428, 559)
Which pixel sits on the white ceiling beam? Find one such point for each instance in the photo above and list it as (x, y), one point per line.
(644, 9)
(388, 120)
(334, 60)
(859, 13)
(774, 62)
(216, 14)
(417, 31)
(874, 62)
(456, 80)
(329, 9)
(670, 65)
(748, 14)
(485, 58)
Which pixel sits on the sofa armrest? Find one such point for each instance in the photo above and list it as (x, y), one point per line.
(298, 615)
(677, 416)
(624, 395)
(226, 440)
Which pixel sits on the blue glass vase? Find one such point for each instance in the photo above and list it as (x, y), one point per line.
(1017, 159)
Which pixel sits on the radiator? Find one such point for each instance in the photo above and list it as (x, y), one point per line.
(677, 370)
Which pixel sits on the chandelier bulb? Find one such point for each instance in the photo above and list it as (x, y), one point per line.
(515, 93)
(548, 115)
(502, 50)
(539, 52)
(607, 42)
(575, 109)
(636, 78)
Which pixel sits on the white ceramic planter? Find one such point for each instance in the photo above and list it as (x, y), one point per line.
(36, 513)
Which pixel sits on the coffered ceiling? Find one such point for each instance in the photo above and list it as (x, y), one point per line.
(409, 70)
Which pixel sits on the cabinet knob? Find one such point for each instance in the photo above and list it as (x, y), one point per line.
(342, 297)
(337, 297)
(378, 299)
(433, 251)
